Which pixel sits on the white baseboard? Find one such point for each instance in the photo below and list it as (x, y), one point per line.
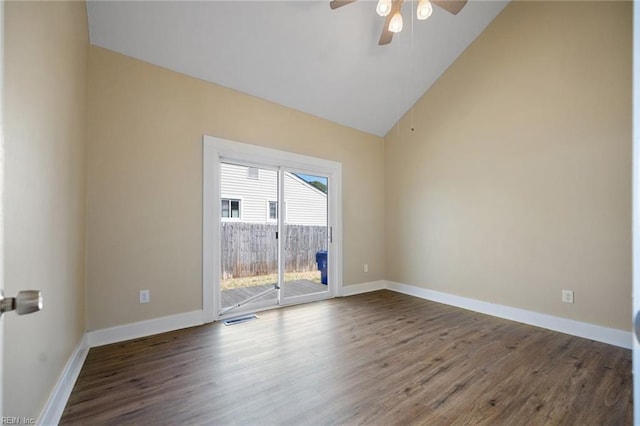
(54, 407)
(350, 290)
(599, 333)
(146, 328)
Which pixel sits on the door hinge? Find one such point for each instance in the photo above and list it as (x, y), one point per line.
(331, 234)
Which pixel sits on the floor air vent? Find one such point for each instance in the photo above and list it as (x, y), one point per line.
(239, 320)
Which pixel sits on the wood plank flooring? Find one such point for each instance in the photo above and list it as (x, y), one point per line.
(233, 296)
(379, 358)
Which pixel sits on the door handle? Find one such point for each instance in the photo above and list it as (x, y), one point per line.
(25, 302)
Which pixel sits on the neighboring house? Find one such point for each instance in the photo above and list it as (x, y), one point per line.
(250, 194)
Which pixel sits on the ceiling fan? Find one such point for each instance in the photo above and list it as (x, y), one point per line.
(391, 9)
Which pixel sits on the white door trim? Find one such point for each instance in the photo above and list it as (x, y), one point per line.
(215, 149)
(635, 220)
(210, 232)
(1, 199)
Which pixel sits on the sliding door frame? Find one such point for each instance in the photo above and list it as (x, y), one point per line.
(217, 149)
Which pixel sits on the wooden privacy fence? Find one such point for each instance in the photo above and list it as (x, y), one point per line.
(251, 249)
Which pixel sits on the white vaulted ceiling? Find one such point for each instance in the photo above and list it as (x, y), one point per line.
(299, 54)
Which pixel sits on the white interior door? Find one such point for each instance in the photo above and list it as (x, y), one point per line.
(1, 199)
(636, 211)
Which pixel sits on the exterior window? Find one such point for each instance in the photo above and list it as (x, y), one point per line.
(230, 208)
(273, 210)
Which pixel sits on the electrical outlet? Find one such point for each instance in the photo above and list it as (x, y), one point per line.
(567, 296)
(144, 296)
(366, 267)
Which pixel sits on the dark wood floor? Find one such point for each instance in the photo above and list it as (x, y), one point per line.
(377, 359)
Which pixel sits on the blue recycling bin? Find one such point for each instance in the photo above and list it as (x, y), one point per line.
(321, 260)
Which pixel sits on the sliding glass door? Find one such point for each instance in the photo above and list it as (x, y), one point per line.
(274, 236)
(305, 237)
(248, 237)
(271, 228)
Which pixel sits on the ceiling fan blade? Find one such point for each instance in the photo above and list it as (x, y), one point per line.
(387, 36)
(451, 6)
(334, 4)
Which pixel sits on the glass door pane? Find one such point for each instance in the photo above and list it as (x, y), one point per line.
(305, 233)
(248, 230)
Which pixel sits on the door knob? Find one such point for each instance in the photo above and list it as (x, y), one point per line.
(25, 302)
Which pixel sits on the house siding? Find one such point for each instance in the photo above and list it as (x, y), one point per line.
(304, 204)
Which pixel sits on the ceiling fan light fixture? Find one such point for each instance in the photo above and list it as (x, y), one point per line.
(384, 7)
(424, 10)
(395, 25)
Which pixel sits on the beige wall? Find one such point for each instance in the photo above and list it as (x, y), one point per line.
(45, 104)
(145, 183)
(516, 182)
